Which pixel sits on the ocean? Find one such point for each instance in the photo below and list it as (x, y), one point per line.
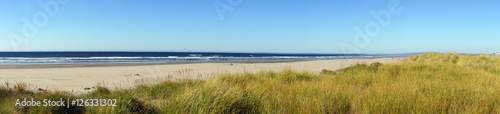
(29, 58)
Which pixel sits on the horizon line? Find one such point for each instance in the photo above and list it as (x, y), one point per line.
(233, 52)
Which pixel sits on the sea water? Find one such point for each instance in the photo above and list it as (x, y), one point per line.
(27, 58)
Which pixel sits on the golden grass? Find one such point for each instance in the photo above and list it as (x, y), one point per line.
(429, 83)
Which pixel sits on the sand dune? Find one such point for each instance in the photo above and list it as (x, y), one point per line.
(75, 78)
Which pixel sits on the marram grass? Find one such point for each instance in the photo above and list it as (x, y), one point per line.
(429, 83)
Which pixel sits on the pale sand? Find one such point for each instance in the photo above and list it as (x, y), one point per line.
(74, 78)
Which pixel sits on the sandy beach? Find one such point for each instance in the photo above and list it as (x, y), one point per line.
(75, 78)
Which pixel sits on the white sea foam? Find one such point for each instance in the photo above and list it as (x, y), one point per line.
(191, 58)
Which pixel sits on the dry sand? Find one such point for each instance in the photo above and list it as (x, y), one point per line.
(74, 78)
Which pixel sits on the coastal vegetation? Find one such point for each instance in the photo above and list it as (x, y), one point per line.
(427, 83)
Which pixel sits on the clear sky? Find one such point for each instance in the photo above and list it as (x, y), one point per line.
(273, 26)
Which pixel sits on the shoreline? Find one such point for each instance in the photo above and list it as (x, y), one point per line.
(130, 64)
(23, 66)
(75, 78)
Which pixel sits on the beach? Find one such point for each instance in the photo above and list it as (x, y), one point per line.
(425, 83)
(82, 78)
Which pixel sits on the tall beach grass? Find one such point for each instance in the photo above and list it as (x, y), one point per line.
(428, 83)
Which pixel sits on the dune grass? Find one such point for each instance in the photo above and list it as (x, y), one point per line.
(428, 83)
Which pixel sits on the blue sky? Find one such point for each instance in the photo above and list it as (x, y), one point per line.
(272, 26)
